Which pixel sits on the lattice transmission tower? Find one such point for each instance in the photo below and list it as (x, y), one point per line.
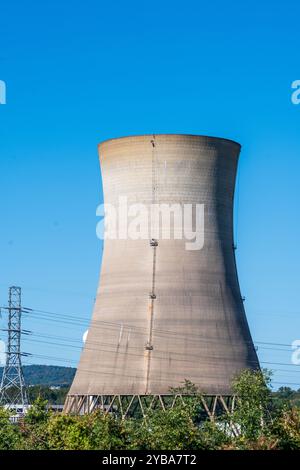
(12, 390)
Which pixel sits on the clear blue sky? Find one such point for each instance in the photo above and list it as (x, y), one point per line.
(80, 72)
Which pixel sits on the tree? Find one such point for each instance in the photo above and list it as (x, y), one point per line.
(97, 431)
(9, 433)
(260, 421)
(287, 430)
(253, 403)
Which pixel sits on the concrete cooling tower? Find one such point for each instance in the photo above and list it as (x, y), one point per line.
(166, 309)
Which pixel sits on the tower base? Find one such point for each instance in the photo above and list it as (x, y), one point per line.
(125, 406)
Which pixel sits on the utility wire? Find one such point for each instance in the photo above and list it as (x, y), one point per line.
(63, 318)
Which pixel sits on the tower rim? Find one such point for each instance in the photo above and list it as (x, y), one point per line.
(196, 136)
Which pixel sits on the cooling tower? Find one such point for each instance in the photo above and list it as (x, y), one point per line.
(165, 310)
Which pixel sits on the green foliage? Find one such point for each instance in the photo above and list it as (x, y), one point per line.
(90, 432)
(48, 375)
(55, 397)
(261, 420)
(287, 397)
(36, 374)
(34, 427)
(37, 413)
(287, 430)
(164, 430)
(215, 435)
(9, 434)
(253, 402)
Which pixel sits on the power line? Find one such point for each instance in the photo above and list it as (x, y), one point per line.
(113, 345)
(99, 350)
(113, 326)
(69, 319)
(122, 374)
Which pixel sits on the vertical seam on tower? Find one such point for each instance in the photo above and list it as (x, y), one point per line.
(153, 245)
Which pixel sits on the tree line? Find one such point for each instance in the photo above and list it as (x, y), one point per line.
(260, 420)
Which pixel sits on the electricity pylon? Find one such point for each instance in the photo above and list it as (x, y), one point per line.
(12, 390)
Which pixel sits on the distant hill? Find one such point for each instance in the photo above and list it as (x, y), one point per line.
(47, 375)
